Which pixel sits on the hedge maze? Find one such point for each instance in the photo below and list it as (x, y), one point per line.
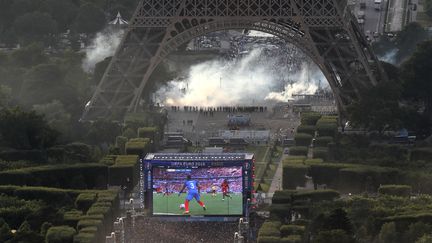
(61, 195)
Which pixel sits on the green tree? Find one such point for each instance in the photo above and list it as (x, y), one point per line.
(407, 40)
(25, 130)
(44, 228)
(388, 233)
(56, 116)
(62, 11)
(338, 219)
(35, 26)
(26, 234)
(5, 95)
(5, 231)
(378, 109)
(416, 230)
(90, 19)
(42, 84)
(416, 73)
(103, 131)
(28, 56)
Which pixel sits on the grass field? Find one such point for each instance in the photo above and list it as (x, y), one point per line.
(169, 205)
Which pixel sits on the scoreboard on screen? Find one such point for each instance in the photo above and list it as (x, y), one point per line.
(202, 185)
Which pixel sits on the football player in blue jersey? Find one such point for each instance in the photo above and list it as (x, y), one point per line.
(193, 192)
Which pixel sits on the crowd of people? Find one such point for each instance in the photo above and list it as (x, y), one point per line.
(210, 110)
(149, 229)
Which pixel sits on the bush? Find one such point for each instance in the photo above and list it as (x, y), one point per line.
(60, 234)
(306, 129)
(283, 197)
(298, 150)
(287, 230)
(395, 190)
(327, 129)
(322, 141)
(320, 153)
(310, 118)
(85, 200)
(303, 139)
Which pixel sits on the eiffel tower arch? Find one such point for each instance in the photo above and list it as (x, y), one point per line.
(325, 30)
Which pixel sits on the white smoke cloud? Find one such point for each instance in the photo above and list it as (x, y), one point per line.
(254, 79)
(103, 45)
(390, 56)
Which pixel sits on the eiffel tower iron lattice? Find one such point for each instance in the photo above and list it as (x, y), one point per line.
(325, 30)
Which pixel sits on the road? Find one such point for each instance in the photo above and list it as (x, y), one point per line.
(397, 13)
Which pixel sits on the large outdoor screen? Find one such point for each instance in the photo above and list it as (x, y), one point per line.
(205, 191)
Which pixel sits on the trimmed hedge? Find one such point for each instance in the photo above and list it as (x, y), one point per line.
(421, 154)
(317, 195)
(303, 139)
(72, 217)
(293, 175)
(36, 156)
(61, 176)
(323, 141)
(85, 200)
(306, 129)
(84, 238)
(280, 211)
(327, 129)
(299, 150)
(366, 178)
(125, 171)
(48, 195)
(292, 239)
(138, 146)
(290, 229)
(395, 190)
(310, 118)
(320, 153)
(268, 239)
(152, 133)
(121, 143)
(270, 228)
(60, 234)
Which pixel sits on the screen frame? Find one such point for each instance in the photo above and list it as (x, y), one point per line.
(247, 165)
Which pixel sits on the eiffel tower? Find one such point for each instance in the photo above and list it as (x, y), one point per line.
(325, 30)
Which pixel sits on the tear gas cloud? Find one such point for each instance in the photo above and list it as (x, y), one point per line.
(103, 45)
(252, 79)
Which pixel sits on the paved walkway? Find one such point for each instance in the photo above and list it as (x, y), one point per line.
(276, 184)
